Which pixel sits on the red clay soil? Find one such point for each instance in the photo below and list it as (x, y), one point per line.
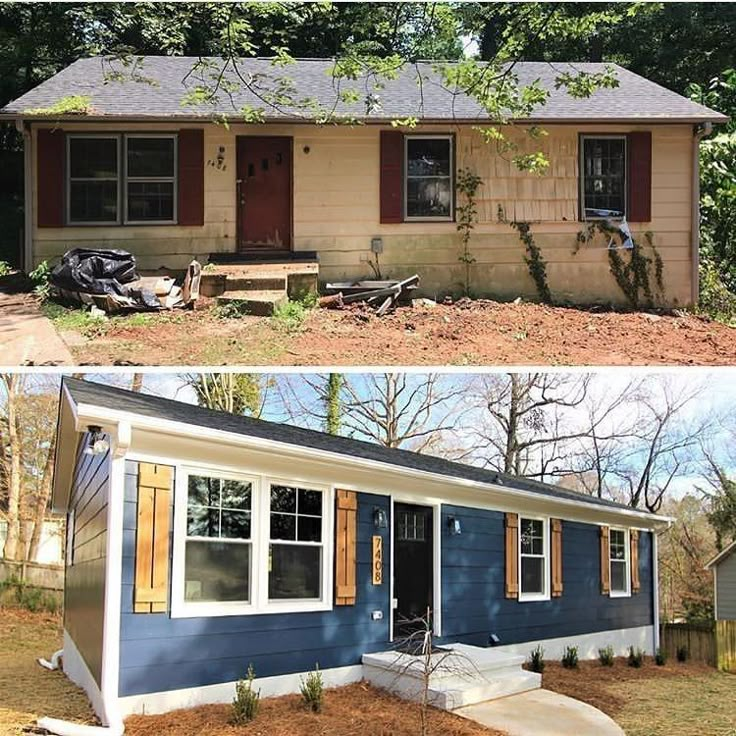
(353, 710)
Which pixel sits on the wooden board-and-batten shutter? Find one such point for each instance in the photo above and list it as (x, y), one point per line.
(50, 177)
(512, 555)
(556, 551)
(605, 534)
(190, 206)
(392, 176)
(346, 511)
(639, 208)
(635, 583)
(152, 538)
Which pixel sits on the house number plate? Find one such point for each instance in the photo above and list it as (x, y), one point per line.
(377, 560)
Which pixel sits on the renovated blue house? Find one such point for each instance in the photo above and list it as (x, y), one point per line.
(200, 542)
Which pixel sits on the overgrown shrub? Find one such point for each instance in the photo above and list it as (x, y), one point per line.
(682, 654)
(246, 700)
(716, 301)
(5, 269)
(605, 656)
(30, 597)
(660, 657)
(570, 658)
(41, 278)
(636, 657)
(312, 690)
(290, 315)
(536, 659)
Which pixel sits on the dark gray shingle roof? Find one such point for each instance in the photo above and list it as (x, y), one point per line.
(87, 392)
(167, 81)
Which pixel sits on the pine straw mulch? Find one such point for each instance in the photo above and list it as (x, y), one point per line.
(353, 710)
(673, 700)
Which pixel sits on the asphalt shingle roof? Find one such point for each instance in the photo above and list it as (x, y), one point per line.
(167, 79)
(95, 394)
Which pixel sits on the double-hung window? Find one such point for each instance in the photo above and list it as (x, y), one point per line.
(114, 179)
(533, 559)
(603, 176)
(249, 544)
(619, 560)
(429, 174)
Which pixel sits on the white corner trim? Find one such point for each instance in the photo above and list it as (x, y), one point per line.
(162, 702)
(715, 593)
(655, 591)
(75, 668)
(28, 182)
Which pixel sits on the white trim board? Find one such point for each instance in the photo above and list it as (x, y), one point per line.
(75, 668)
(162, 702)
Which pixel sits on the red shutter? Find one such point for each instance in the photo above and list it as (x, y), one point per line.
(640, 177)
(50, 176)
(191, 177)
(392, 176)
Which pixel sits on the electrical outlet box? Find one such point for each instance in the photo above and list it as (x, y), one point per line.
(377, 245)
(377, 615)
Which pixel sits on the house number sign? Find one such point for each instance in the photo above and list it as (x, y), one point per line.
(377, 560)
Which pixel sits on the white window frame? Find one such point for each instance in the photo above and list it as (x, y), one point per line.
(545, 595)
(260, 541)
(122, 179)
(581, 168)
(626, 593)
(424, 218)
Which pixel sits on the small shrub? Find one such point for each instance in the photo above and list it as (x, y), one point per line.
(605, 656)
(232, 309)
(290, 316)
(29, 597)
(682, 654)
(246, 700)
(536, 659)
(570, 658)
(312, 690)
(636, 657)
(660, 657)
(5, 269)
(41, 278)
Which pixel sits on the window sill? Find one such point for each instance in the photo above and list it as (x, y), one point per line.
(531, 597)
(619, 594)
(429, 219)
(137, 223)
(214, 610)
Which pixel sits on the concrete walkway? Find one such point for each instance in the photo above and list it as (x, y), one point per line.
(27, 337)
(541, 713)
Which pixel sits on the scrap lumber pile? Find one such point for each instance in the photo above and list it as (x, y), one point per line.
(380, 295)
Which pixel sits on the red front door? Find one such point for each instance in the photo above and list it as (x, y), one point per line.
(264, 192)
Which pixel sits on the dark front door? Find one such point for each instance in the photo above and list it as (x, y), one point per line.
(412, 566)
(264, 192)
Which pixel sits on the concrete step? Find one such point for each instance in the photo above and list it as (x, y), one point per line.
(259, 303)
(265, 282)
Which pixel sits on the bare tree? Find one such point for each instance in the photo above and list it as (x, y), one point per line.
(13, 385)
(236, 393)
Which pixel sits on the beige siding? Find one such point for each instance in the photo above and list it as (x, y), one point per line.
(336, 212)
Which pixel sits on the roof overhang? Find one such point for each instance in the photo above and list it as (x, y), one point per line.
(725, 552)
(76, 417)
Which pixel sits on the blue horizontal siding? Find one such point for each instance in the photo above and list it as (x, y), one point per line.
(474, 605)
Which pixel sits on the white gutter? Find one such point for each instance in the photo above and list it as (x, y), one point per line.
(655, 591)
(700, 131)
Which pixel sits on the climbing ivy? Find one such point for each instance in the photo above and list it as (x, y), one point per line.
(467, 184)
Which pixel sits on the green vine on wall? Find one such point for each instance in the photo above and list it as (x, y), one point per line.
(467, 185)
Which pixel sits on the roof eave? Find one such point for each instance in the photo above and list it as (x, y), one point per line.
(721, 555)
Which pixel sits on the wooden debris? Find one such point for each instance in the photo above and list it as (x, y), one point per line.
(381, 295)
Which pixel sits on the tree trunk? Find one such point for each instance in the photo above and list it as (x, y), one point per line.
(137, 383)
(42, 501)
(334, 405)
(12, 542)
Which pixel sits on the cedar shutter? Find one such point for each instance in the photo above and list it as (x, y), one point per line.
(191, 177)
(392, 176)
(556, 563)
(345, 547)
(50, 177)
(639, 146)
(635, 584)
(512, 555)
(605, 561)
(152, 538)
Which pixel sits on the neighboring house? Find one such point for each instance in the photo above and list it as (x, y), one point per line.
(724, 583)
(200, 542)
(138, 168)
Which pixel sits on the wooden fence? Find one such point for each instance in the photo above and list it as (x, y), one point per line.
(726, 645)
(698, 639)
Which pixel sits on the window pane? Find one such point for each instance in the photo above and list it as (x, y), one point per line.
(150, 157)
(283, 499)
(93, 201)
(93, 158)
(428, 157)
(532, 537)
(236, 495)
(150, 201)
(204, 491)
(283, 526)
(235, 524)
(203, 521)
(604, 164)
(532, 575)
(295, 572)
(217, 571)
(618, 576)
(428, 197)
(310, 502)
(310, 529)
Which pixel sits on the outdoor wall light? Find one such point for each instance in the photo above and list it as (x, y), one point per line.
(220, 156)
(380, 520)
(454, 525)
(306, 149)
(98, 443)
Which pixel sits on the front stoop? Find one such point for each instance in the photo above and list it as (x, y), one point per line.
(461, 675)
(258, 303)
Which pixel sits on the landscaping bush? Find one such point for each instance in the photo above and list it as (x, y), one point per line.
(682, 654)
(536, 659)
(41, 278)
(570, 658)
(30, 597)
(636, 657)
(312, 689)
(605, 656)
(247, 700)
(660, 657)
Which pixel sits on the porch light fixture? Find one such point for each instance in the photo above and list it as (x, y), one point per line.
(98, 444)
(454, 525)
(380, 520)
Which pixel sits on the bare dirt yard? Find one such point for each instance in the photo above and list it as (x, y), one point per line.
(674, 700)
(465, 333)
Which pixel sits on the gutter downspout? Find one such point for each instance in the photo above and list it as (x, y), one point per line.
(699, 132)
(27, 255)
